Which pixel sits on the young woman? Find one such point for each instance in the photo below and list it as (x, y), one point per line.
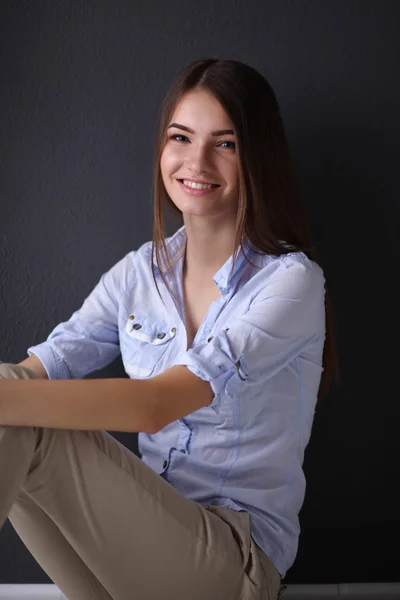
(226, 334)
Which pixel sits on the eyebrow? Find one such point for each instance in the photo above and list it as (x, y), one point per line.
(213, 133)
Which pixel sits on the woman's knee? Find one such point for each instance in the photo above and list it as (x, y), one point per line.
(13, 371)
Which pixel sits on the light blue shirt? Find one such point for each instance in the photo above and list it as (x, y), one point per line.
(260, 346)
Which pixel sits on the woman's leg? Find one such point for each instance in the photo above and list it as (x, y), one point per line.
(40, 534)
(62, 564)
(138, 535)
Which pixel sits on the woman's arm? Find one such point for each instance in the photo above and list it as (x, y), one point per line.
(33, 363)
(118, 404)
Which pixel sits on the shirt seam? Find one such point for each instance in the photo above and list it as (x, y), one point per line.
(290, 479)
(234, 460)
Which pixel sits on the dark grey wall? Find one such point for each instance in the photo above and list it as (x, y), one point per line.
(81, 84)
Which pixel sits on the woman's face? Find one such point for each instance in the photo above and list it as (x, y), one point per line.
(200, 147)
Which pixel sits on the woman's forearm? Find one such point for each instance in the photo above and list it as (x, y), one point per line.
(98, 404)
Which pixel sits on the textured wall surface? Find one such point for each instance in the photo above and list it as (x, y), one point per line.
(81, 85)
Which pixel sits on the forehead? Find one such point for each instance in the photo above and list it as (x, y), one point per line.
(200, 110)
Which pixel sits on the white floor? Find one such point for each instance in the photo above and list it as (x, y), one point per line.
(11, 591)
(349, 591)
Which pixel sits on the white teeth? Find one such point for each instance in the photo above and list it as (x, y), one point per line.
(197, 186)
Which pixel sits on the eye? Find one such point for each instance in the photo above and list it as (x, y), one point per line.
(229, 148)
(178, 135)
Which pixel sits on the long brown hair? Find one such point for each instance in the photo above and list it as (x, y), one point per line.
(270, 217)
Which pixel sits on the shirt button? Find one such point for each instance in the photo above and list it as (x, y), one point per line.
(173, 329)
(210, 338)
(137, 326)
(131, 317)
(165, 464)
(183, 451)
(161, 336)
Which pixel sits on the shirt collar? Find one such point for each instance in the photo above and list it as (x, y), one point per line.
(223, 277)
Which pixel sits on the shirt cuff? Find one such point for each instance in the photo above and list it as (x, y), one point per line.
(54, 365)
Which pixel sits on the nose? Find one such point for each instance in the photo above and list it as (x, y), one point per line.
(197, 159)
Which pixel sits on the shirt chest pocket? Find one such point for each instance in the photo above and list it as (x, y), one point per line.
(144, 342)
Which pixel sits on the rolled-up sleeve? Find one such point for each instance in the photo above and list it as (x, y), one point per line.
(89, 340)
(283, 317)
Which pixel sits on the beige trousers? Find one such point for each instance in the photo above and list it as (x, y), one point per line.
(103, 525)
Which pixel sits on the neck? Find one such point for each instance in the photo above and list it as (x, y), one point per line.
(206, 251)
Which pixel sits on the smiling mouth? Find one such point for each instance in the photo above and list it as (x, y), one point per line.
(198, 185)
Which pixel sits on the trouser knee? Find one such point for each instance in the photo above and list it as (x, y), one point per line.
(12, 371)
